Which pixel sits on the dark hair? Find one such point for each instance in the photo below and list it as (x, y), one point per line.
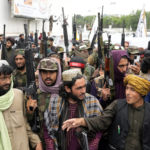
(5, 70)
(125, 57)
(21, 35)
(69, 84)
(50, 39)
(11, 40)
(145, 65)
(147, 53)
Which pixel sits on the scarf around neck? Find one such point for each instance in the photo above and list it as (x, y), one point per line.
(51, 89)
(5, 102)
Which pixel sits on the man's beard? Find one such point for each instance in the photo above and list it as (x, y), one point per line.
(3, 91)
(21, 68)
(74, 98)
(49, 84)
(8, 48)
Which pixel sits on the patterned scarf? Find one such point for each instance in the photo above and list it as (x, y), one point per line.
(90, 105)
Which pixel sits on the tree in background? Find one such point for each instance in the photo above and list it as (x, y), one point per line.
(131, 20)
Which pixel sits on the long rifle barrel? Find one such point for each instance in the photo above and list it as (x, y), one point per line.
(26, 35)
(123, 35)
(65, 32)
(4, 32)
(3, 53)
(102, 19)
(74, 30)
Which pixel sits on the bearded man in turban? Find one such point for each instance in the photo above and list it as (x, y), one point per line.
(127, 120)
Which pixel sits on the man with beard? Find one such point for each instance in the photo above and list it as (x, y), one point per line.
(49, 82)
(50, 47)
(10, 51)
(21, 42)
(126, 120)
(15, 132)
(72, 102)
(19, 74)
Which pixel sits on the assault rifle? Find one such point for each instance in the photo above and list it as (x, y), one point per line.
(107, 62)
(4, 54)
(123, 35)
(92, 43)
(74, 31)
(36, 38)
(31, 89)
(65, 32)
(99, 36)
(44, 41)
(102, 19)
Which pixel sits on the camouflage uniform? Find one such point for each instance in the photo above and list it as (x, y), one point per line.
(93, 58)
(19, 79)
(43, 103)
(88, 71)
(48, 64)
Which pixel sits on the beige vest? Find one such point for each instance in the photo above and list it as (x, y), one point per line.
(16, 123)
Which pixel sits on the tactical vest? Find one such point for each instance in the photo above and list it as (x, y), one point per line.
(120, 127)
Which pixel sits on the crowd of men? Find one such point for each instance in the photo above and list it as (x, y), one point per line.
(74, 97)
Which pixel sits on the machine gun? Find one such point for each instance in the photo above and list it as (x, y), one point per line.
(4, 54)
(74, 27)
(123, 35)
(65, 32)
(31, 89)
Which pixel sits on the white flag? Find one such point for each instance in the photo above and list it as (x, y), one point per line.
(142, 26)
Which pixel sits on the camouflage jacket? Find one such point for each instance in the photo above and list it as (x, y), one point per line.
(88, 71)
(19, 79)
(93, 58)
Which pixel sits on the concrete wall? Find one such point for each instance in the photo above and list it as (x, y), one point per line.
(15, 26)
